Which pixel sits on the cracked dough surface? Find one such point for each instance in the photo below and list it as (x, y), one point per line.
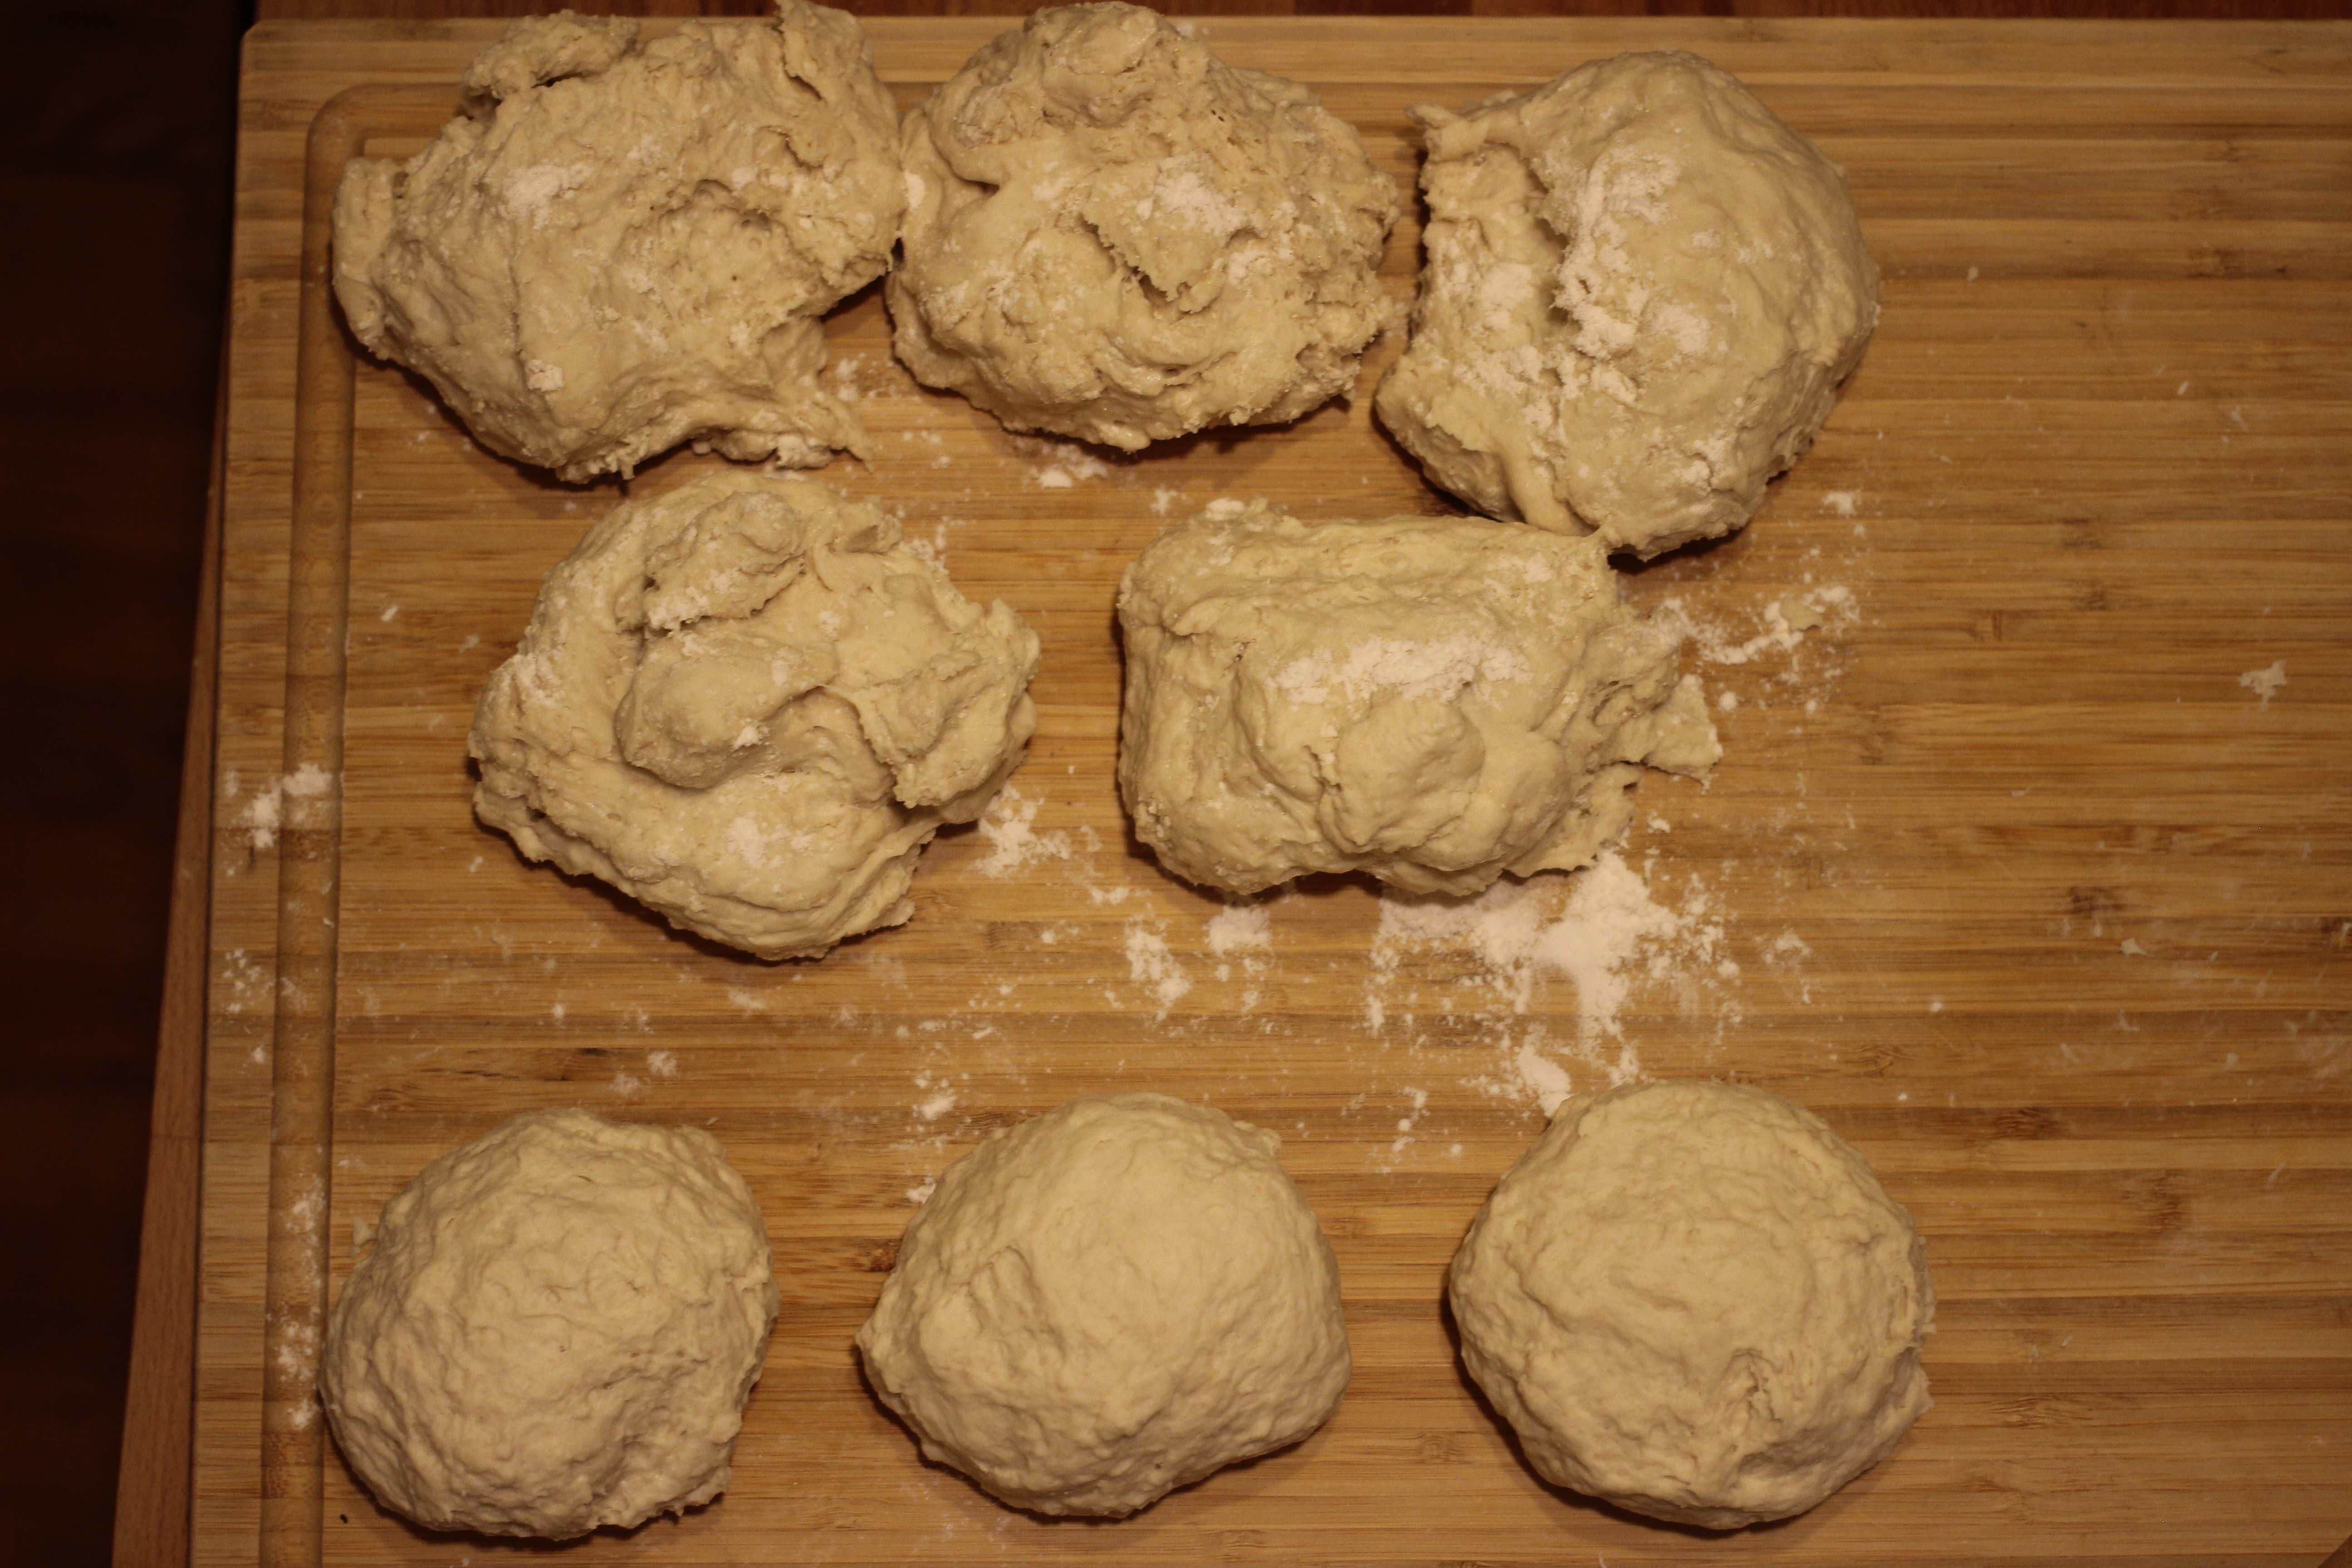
(1434, 700)
(1112, 233)
(1108, 1303)
(620, 245)
(748, 703)
(1695, 1300)
(555, 1330)
(1640, 292)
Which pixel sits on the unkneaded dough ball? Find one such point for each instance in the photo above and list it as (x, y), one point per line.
(1114, 235)
(1435, 701)
(1640, 293)
(748, 704)
(555, 1330)
(1693, 1301)
(1107, 1303)
(619, 247)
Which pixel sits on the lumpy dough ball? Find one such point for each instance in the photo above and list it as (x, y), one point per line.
(1640, 293)
(748, 704)
(1693, 1301)
(619, 247)
(1107, 1303)
(1434, 700)
(555, 1330)
(1112, 233)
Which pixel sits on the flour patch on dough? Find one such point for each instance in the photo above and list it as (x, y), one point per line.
(1640, 293)
(1434, 700)
(748, 704)
(621, 245)
(1113, 235)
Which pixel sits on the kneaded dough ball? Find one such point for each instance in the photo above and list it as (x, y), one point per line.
(1693, 1301)
(748, 704)
(1114, 235)
(1107, 1303)
(1435, 701)
(555, 1330)
(619, 247)
(1640, 294)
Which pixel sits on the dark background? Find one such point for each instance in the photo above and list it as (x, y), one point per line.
(116, 138)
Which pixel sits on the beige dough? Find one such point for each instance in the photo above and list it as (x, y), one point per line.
(1694, 1302)
(1640, 293)
(619, 247)
(1114, 235)
(1434, 700)
(748, 704)
(1107, 1303)
(555, 1330)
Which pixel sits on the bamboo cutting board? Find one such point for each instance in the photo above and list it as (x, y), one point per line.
(2028, 863)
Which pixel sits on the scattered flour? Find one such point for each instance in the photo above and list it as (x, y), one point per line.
(1149, 963)
(1013, 842)
(1830, 606)
(1604, 932)
(1601, 930)
(1239, 928)
(2266, 683)
(1059, 465)
(264, 814)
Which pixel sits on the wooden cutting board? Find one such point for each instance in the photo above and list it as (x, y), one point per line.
(2028, 863)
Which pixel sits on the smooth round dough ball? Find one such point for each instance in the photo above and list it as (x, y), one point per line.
(1694, 1302)
(1108, 1303)
(1434, 700)
(555, 1330)
(1112, 233)
(1640, 292)
(621, 245)
(749, 703)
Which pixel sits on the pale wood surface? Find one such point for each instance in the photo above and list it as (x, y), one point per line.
(2028, 893)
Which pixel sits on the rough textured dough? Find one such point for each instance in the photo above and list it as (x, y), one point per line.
(748, 704)
(621, 246)
(1641, 291)
(555, 1330)
(1114, 235)
(1434, 700)
(1693, 1301)
(1107, 1303)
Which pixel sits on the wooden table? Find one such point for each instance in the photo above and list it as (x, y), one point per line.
(2119, 341)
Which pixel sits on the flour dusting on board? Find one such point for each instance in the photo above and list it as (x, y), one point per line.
(1015, 845)
(1603, 930)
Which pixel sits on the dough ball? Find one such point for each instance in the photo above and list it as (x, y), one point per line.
(555, 1330)
(748, 704)
(1693, 1301)
(1107, 1303)
(1435, 701)
(1114, 235)
(619, 247)
(1641, 291)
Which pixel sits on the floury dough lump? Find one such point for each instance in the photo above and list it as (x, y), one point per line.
(1434, 700)
(1695, 1301)
(748, 704)
(1112, 233)
(620, 245)
(1107, 1303)
(555, 1330)
(1640, 293)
